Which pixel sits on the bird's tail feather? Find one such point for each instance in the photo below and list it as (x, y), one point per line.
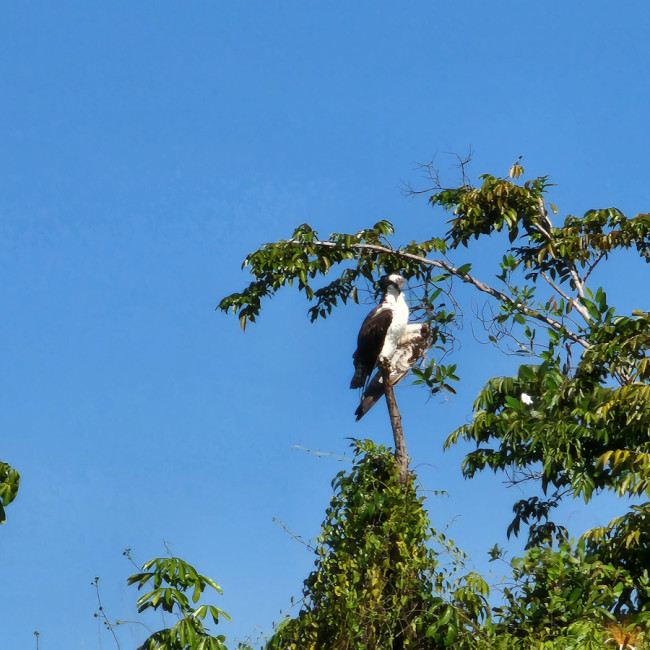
(371, 395)
(359, 379)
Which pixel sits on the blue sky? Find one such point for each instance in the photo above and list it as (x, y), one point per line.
(145, 149)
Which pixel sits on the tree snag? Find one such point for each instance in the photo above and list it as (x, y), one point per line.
(401, 457)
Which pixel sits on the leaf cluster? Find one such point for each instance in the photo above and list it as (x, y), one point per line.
(379, 581)
(497, 204)
(304, 258)
(9, 484)
(583, 432)
(584, 241)
(566, 596)
(172, 579)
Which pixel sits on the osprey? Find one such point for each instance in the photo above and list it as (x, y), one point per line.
(381, 331)
(413, 345)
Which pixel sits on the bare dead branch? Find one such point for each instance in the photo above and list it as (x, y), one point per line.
(462, 164)
(401, 457)
(431, 174)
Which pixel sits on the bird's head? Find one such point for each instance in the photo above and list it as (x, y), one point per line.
(395, 279)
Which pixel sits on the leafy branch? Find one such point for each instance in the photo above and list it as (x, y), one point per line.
(171, 578)
(9, 484)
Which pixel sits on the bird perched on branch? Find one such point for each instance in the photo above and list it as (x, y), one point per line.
(381, 331)
(413, 345)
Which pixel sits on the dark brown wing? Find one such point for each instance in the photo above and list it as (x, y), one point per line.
(369, 344)
(412, 347)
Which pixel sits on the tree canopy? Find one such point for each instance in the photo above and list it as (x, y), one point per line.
(573, 421)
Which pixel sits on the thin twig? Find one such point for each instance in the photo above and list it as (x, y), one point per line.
(579, 284)
(121, 622)
(127, 554)
(543, 213)
(432, 174)
(102, 613)
(292, 535)
(592, 266)
(322, 453)
(581, 309)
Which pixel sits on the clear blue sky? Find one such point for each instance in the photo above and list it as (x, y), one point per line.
(145, 149)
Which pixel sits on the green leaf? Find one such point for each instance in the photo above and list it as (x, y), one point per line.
(197, 593)
(527, 373)
(446, 617)
(513, 402)
(216, 613)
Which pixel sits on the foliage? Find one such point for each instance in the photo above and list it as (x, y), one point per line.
(565, 597)
(172, 579)
(573, 421)
(378, 582)
(9, 483)
(384, 578)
